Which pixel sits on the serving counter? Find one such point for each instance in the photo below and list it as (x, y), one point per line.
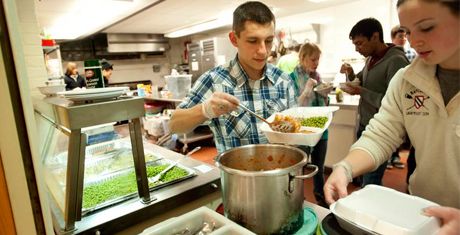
(342, 131)
(60, 123)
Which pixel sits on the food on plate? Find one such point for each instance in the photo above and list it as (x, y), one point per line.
(281, 120)
(318, 122)
(322, 86)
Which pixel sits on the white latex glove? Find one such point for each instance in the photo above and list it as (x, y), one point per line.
(336, 185)
(218, 104)
(311, 83)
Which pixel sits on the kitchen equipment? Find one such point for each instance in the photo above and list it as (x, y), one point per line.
(262, 187)
(380, 210)
(308, 139)
(94, 93)
(52, 89)
(179, 85)
(159, 175)
(282, 126)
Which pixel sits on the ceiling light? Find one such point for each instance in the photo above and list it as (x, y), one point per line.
(223, 20)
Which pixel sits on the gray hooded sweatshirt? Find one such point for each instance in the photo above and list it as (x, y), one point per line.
(374, 82)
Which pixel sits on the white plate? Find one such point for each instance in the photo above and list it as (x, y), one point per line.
(310, 139)
(380, 210)
(94, 94)
(323, 88)
(93, 90)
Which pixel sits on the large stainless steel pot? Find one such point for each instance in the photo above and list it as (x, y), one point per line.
(262, 187)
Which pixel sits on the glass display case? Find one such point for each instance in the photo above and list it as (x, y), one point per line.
(109, 175)
(108, 186)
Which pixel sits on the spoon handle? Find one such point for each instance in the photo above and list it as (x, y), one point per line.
(255, 114)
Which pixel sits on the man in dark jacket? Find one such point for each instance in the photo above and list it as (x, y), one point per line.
(383, 61)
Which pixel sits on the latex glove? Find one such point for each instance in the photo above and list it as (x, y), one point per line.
(218, 104)
(336, 185)
(311, 83)
(450, 218)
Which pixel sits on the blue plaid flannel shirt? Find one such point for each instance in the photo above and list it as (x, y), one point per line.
(273, 93)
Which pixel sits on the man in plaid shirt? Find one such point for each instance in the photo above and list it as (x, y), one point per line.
(247, 79)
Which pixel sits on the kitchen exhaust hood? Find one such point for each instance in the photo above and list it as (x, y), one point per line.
(121, 43)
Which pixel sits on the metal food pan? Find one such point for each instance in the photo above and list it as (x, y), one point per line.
(111, 202)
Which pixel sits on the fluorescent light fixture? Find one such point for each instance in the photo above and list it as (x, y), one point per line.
(223, 20)
(86, 17)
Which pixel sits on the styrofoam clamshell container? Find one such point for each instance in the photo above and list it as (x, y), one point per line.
(193, 222)
(310, 139)
(380, 210)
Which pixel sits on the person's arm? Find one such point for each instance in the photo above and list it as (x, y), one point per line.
(185, 120)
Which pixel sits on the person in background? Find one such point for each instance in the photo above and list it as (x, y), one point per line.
(72, 79)
(107, 69)
(399, 38)
(305, 78)
(288, 62)
(423, 101)
(382, 62)
(247, 79)
(273, 58)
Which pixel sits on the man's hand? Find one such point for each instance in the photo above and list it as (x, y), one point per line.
(351, 89)
(449, 216)
(346, 69)
(218, 104)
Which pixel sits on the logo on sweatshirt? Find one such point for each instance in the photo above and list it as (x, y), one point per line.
(418, 103)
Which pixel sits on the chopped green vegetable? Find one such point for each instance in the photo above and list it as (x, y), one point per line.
(318, 122)
(123, 185)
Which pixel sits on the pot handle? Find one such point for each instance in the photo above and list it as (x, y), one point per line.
(311, 166)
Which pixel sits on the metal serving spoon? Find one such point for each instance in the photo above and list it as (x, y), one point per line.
(282, 126)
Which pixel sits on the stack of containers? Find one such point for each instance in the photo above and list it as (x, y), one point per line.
(179, 85)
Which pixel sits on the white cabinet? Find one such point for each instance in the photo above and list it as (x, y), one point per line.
(342, 131)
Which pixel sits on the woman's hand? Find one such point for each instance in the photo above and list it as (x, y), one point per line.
(336, 185)
(310, 84)
(449, 216)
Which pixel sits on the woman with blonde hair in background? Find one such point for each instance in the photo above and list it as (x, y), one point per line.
(72, 79)
(305, 78)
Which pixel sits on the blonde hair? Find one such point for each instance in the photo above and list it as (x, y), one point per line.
(69, 68)
(308, 49)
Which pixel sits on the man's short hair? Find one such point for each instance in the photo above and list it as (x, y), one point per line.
(397, 29)
(251, 11)
(367, 27)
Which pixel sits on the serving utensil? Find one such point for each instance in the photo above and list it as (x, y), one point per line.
(157, 177)
(281, 126)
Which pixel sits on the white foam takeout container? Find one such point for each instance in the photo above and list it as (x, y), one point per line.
(310, 139)
(380, 210)
(191, 222)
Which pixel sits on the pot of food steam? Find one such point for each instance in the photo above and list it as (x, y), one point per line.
(262, 187)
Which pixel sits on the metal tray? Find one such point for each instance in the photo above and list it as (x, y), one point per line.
(163, 161)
